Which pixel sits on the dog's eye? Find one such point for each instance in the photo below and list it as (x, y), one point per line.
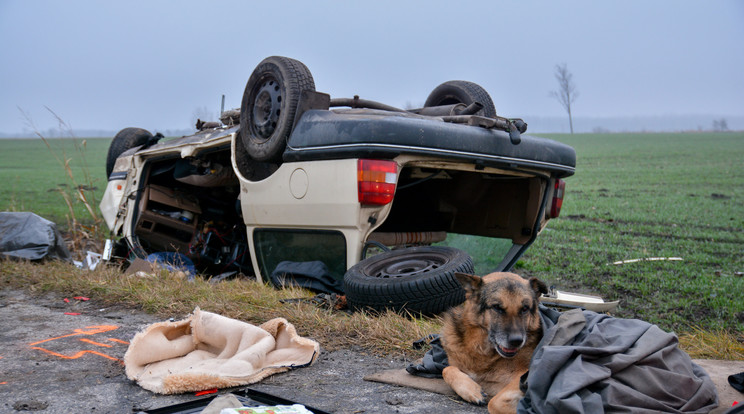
(498, 309)
(525, 309)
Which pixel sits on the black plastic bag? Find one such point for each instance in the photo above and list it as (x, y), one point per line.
(28, 236)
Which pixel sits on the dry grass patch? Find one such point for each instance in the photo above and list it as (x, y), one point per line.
(719, 344)
(168, 295)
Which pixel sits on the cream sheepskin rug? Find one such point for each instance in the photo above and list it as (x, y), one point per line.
(206, 351)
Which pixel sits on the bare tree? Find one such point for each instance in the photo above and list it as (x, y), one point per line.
(720, 125)
(566, 93)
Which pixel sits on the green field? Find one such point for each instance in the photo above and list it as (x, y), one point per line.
(36, 176)
(633, 196)
(639, 196)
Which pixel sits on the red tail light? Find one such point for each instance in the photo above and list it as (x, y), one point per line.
(555, 206)
(376, 180)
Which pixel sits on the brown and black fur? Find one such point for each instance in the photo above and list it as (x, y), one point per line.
(490, 338)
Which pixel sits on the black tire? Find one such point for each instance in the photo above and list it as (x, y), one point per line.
(269, 106)
(457, 91)
(420, 280)
(125, 139)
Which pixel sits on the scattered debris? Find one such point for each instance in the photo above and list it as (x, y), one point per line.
(717, 196)
(577, 300)
(92, 260)
(82, 298)
(142, 268)
(276, 409)
(647, 259)
(108, 248)
(174, 262)
(244, 401)
(223, 276)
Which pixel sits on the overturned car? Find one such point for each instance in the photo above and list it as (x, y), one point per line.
(294, 176)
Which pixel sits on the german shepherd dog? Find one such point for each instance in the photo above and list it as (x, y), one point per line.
(490, 338)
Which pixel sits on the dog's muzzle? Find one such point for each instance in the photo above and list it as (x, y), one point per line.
(507, 352)
(515, 342)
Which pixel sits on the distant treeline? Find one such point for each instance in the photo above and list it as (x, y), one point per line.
(662, 123)
(88, 133)
(545, 124)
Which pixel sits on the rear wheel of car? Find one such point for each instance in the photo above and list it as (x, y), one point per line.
(420, 280)
(457, 91)
(269, 106)
(125, 139)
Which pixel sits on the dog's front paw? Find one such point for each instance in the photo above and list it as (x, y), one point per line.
(483, 400)
(464, 386)
(476, 397)
(505, 402)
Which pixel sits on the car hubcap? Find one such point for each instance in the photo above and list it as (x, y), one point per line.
(266, 108)
(398, 268)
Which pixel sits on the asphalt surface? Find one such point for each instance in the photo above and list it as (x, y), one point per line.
(64, 356)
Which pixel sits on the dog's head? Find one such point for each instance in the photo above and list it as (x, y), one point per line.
(505, 304)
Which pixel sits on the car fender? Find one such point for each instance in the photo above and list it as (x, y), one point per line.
(113, 203)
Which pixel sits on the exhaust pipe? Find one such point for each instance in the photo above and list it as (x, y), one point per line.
(449, 110)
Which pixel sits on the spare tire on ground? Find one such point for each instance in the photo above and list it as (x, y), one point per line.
(420, 280)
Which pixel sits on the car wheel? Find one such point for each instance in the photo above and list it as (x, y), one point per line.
(125, 139)
(457, 91)
(269, 106)
(420, 280)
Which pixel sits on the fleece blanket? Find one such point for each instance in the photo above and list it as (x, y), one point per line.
(207, 351)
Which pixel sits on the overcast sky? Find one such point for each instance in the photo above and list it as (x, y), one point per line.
(152, 64)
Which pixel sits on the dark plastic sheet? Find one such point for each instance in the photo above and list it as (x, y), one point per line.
(28, 236)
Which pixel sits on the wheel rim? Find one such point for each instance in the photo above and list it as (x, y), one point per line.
(396, 267)
(267, 108)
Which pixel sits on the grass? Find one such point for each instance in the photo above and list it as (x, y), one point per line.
(633, 196)
(638, 196)
(653, 195)
(168, 295)
(36, 175)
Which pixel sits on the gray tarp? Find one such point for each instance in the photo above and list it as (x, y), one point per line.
(594, 363)
(28, 236)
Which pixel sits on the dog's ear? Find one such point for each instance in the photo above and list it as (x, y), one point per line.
(538, 286)
(471, 283)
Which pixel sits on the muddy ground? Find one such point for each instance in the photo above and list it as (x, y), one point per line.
(60, 356)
